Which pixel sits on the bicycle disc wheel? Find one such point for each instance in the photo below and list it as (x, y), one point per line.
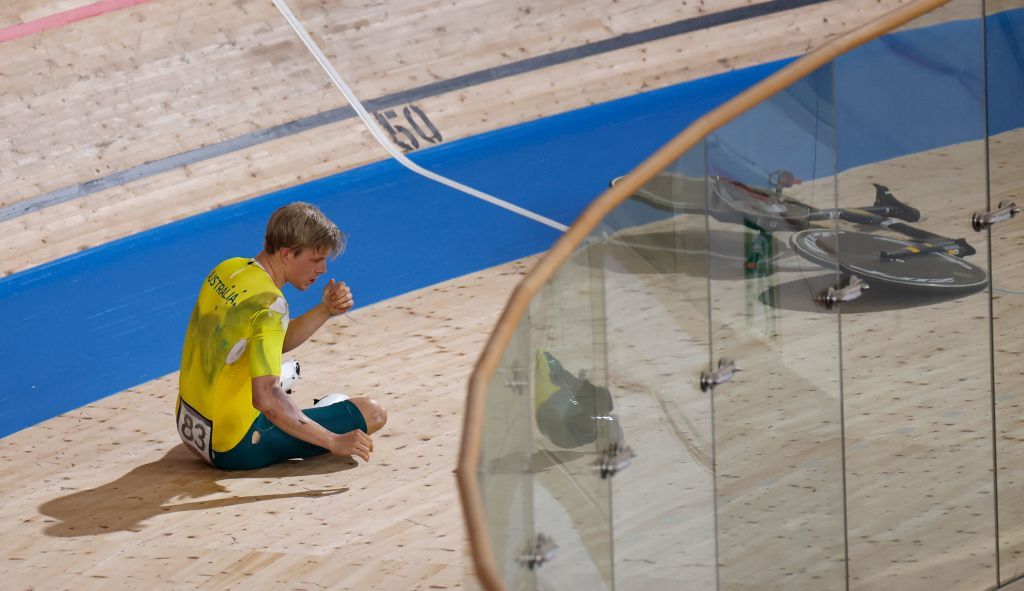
(858, 255)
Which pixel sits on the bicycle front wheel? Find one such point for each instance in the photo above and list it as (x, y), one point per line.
(858, 254)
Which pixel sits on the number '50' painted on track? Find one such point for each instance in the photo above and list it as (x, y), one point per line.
(407, 130)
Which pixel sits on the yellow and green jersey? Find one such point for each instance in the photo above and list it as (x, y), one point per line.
(236, 333)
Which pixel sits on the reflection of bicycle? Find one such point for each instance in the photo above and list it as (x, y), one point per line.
(919, 259)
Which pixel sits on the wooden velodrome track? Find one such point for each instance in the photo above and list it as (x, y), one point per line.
(105, 496)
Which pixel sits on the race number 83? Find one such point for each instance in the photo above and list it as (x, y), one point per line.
(195, 430)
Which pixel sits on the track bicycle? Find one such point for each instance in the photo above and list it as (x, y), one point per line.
(918, 259)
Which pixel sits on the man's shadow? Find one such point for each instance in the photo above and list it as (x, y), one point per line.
(159, 487)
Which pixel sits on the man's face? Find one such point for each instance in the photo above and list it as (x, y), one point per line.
(304, 268)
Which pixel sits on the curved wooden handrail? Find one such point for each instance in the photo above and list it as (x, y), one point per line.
(469, 453)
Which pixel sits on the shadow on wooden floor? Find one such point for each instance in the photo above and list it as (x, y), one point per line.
(160, 487)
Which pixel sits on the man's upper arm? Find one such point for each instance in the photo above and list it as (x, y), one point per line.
(267, 344)
(263, 391)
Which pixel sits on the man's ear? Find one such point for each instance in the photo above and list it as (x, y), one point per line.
(286, 254)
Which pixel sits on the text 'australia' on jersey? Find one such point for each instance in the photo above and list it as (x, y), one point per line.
(236, 333)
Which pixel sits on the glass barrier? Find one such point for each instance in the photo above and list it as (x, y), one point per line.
(915, 350)
(572, 409)
(778, 422)
(1004, 36)
(505, 458)
(787, 333)
(548, 416)
(655, 260)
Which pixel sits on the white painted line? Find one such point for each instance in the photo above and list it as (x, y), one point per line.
(378, 133)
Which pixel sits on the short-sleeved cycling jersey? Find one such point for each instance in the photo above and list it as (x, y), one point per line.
(236, 333)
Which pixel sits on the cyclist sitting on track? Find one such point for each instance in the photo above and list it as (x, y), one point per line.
(231, 408)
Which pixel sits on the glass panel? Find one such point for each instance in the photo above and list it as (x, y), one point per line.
(853, 448)
(778, 428)
(655, 263)
(505, 481)
(916, 360)
(1005, 55)
(570, 397)
(543, 429)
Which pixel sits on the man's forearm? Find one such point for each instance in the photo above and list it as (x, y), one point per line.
(303, 327)
(286, 415)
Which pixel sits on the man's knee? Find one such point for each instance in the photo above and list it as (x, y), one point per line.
(373, 413)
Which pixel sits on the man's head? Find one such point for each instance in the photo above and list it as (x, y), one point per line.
(301, 237)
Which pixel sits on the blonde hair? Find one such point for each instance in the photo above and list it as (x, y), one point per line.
(302, 225)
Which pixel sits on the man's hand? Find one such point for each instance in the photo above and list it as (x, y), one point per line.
(353, 443)
(337, 298)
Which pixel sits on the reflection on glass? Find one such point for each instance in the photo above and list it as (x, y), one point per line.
(655, 269)
(778, 435)
(916, 358)
(504, 458)
(571, 406)
(1005, 56)
(823, 242)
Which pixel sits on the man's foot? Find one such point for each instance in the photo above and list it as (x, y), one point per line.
(329, 400)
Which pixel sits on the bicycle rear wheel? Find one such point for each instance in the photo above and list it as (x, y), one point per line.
(858, 255)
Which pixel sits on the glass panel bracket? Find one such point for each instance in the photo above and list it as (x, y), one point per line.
(614, 459)
(710, 378)
(542, 549)
(835, 296)
(515, 378)
(1007, 210)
